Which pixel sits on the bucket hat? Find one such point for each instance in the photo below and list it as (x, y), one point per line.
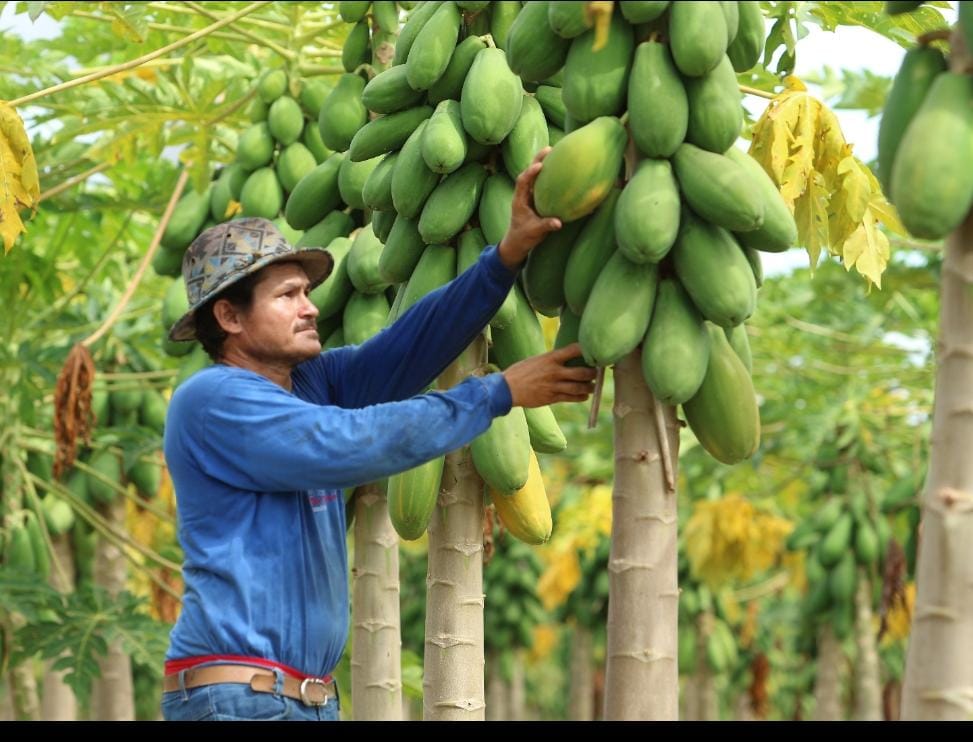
(222, 255)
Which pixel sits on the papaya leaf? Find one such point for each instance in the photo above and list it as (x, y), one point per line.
(19, 184)
(79, 631)
(867, 249)
(128, 20)
(836, 200)
(902, 29)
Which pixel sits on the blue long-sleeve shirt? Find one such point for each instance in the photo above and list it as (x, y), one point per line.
(258, 472)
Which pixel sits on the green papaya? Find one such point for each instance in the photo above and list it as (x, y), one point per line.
(452, 203)
(697, 36)
(389, 91)
(501, 455)
(343, 113)
(436, 267)
(433, 46)
(364, 317)
(363, 258)
(568, 18)
(778, 232)
(596, 81)
(616, 315)
(272, 85)
(552, 103)
(718, 189)
(723, 414)
(593, 247)
(356, 50)
(410, 30)
(647, 215)
(262, 194)
(521, 339)
(714, 271)
(412, 498)
(657, 103)
(352, 176)
(676, 351)
(255, 149)
(494, 207)
(502, 17)
(932, 180)
(186, 221)
(491, 99)
(748, 44)
(715, 108)
(580, 170)
(450, 85)
(403, 248)
(443, 143)
(331, 296)
(543, 275)
(386, 133)
(528, 137)
(412, 180)
(920, 66)
(285, 120)
(545, 433)
(377, 191)
(316, 195)
(534, 50)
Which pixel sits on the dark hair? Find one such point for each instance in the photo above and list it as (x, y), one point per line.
(208, 330)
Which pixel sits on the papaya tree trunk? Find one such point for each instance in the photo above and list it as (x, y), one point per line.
(938, 682)
(868, 683)
(23, 692)
(642, 680)
(581, 703)
(453, 684)
(6, 703)
(518, 688)
(704, 681)
(827, 684)
(376, 668)
(112, 697)
(496, 689)
(57, 700)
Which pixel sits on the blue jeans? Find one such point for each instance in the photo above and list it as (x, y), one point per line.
(239, 702)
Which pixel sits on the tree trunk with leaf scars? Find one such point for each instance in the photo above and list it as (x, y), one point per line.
(642, 680)
(939, 676)
(868, 683)
(453, 682)
(376, 668)
(581, 704)
(112, 696)
(827, 684)
(57, 700)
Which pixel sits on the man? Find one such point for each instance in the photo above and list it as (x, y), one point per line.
(261, 444)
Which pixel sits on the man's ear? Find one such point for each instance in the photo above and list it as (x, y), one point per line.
(227, 316)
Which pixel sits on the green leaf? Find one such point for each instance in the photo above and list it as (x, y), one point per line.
(902, 29)
(128, 20)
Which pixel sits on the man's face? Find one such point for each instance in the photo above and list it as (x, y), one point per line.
(281, 324)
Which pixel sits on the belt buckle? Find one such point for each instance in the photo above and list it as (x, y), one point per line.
(313, 681)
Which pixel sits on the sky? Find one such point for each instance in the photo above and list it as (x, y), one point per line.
(850, 48)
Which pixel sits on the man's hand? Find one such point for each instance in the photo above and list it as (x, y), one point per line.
(527, 229)
(544, 379)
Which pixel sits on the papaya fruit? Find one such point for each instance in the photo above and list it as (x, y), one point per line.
(723, 414)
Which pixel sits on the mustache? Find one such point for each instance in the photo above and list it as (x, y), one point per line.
(307, 326)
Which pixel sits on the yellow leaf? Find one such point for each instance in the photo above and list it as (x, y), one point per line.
(867, 250)
(886, 213)
(811, 215)
(849, 200)
(19, 184)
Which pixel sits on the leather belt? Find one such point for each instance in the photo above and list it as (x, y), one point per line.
(310, 691)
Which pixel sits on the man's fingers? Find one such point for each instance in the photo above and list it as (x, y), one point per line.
(567, 352)
(578, 373)
(539, 157)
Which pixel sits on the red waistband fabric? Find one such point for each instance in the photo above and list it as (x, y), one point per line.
(173, 667)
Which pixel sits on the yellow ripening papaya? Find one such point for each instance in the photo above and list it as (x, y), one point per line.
(526, 513)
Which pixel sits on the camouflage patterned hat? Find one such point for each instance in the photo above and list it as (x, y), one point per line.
(224, 254)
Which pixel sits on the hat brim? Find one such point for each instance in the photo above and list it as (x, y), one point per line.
(317, 263)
